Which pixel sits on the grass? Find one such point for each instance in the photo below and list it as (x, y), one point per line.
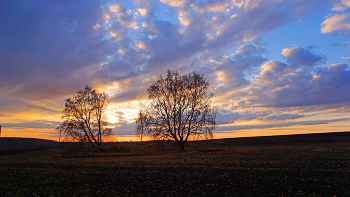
(245, 168)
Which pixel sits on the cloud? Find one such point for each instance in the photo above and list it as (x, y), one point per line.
(337, 22)
(227, 118)
(284, 124)
(140, 45)
(184, 20)
(174, 3)
(116, 35)
(249, 55)
(34, 124)
(299, 89)
(284, 92)
(142, 11)
(41, 56)
(232, 72)
(338, 7)
(288, 116)
(51, 49)
(51, 56)
(233, 116)
(258, 17)
(272, 69)
(279, 87)
(132, 95)
(302, 56)
(338, 44)
(346, 58)
(346, 3)
(246, 4)
(119, 12)
(124, 129)
(215, 6)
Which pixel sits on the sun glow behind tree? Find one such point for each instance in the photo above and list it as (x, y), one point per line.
(123, 112)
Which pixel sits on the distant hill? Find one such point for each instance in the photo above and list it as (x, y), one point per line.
(281, 140)
(15, 143)
(284, 139)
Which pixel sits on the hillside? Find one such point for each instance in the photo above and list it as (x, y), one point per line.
(17, 143)
(283, 139)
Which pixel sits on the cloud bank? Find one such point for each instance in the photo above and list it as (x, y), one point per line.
(48, 50)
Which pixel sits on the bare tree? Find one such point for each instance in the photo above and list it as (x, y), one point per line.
(179, 108)
(84, 117)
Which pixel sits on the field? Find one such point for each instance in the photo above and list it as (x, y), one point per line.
(300, 165)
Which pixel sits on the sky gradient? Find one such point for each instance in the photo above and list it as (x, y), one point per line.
(276, 66)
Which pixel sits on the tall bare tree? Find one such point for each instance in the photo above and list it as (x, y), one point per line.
(179, 107)
(84, 117)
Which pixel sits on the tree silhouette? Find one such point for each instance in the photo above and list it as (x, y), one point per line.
(84, 117)
(179, 107)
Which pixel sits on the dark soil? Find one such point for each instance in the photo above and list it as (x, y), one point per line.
(303, 165)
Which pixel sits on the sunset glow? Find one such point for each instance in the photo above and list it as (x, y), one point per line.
(123, 112)
(275, 67)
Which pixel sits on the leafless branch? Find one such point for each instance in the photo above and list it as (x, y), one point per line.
(179, 107)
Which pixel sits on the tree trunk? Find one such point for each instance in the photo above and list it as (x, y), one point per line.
(181, 145)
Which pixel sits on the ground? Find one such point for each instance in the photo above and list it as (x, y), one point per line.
(286, 166)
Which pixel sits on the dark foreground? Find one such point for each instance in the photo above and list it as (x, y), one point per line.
(307, 166)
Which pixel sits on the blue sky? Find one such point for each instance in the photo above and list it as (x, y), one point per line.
(276, 67)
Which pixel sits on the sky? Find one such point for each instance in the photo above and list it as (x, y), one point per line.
(276, 67)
